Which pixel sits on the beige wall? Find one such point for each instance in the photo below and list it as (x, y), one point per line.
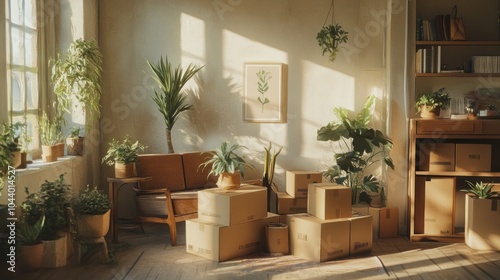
(222, 35)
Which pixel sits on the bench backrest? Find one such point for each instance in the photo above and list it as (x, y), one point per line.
(196, 177)
(166, 170)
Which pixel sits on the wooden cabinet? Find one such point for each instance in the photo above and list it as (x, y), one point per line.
(435, 196)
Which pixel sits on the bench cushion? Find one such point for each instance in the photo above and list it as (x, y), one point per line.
(184, 202)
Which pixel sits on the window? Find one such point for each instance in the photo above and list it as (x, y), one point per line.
(22, 66)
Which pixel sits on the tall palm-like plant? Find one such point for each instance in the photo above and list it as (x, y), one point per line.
(170, 100)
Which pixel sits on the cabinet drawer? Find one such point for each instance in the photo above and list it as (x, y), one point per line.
(491, 127)
(449, 127)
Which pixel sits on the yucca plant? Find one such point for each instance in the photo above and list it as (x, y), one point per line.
(170, 100)
(480, 190)
(225, 159)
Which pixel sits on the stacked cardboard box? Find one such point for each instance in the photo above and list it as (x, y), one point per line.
(454, 157)
(294, 200)
(230, 223)
(329, 231)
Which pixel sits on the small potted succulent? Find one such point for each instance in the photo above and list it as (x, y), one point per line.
(430, 104)
(30, 244)
(124, 155)
(228, 165)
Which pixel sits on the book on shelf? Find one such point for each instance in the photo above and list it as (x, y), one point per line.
(485, 64)
(436, 29)
(428, 60)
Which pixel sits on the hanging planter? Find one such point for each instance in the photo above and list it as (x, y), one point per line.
(331, 36)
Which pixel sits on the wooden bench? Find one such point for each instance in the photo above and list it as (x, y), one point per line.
(172, 194)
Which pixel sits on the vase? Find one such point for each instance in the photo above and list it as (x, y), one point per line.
(229, 181)
(124, 170)
(277, 238)
(429, 114)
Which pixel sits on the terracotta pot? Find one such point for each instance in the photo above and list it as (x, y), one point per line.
(432, 114)
(124, 170)
(31, 256)
(229, 181)
(60, 149)
(19, 160)
(49, 153)
(74, 146)
(93, 226)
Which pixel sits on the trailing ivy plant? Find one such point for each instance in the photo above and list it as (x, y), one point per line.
(170, 100)
(77, 76)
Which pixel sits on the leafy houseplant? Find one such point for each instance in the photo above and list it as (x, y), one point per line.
(228, 165)
(170, 100)
(91, 208)
(8, 148)
(329, 39)
(77, 76)
(433, 103)
(49, 136)
(124, 155)
(359, 147)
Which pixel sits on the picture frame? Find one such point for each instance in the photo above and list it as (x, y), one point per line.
(265, 92)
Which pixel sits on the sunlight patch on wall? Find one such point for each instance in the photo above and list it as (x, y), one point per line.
(237, 49)
(193, 40)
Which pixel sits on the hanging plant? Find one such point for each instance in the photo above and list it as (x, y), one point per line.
(331, 36)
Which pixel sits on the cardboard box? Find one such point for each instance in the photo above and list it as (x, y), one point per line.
(436, 156)
(361, 238)
(329, 201)
(298, 181)
(231, 207)
(473, 157)
(439, 205)
(482, 226)
(221, 243)
(290, 205)
(385, 222)
(318, 240)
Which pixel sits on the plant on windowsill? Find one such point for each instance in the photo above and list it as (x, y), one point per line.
(227, 165)
(480, 208)
(170, 99)
(357, 147)
(74, 142)
(76, 76)
(124, 155)
(47, 129)
(430, 104)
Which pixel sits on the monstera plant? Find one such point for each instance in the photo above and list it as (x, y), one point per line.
(359, 147)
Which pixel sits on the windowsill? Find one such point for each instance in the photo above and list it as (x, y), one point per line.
(39, 165)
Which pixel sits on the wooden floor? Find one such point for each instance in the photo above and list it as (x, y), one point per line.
(149, 256)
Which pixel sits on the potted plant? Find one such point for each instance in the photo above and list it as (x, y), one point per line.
(480, 209)
(91, 208)
(47, 129)
(358, 148)
(430, 104)
(228, 165)
(268, 173)
(170, 100)
(74, 142)
(124, 155)
(9, 142)
(51, 201)
(76, 76)
(330, 37)
(30, 245)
